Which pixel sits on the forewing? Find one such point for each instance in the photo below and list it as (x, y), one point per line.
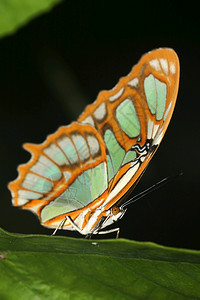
(133, 117)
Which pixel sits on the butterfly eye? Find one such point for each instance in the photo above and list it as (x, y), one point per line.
(115, 210)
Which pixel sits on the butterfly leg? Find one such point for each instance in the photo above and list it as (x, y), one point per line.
(59, 225)
(69, 219)
(62, 223)
(111, 230)
(88, 236)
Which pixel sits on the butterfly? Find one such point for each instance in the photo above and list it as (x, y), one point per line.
(80, 177)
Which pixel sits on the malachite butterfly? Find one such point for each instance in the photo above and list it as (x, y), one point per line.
(79, 178)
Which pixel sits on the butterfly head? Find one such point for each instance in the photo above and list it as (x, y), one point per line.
(114, 214)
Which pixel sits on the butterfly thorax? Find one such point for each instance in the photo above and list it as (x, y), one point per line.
(92, 221)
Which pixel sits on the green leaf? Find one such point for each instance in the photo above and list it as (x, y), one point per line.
(47, 267)
(16, 13)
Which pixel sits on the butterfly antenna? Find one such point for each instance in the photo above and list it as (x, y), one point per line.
(151, 189)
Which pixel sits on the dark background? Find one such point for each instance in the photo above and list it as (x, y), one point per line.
(54, 66)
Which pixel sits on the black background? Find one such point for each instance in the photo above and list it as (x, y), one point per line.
(54, 66)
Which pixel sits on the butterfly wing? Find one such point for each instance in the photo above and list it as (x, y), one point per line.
(94, 162)
(65, 174)
(133, 117)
